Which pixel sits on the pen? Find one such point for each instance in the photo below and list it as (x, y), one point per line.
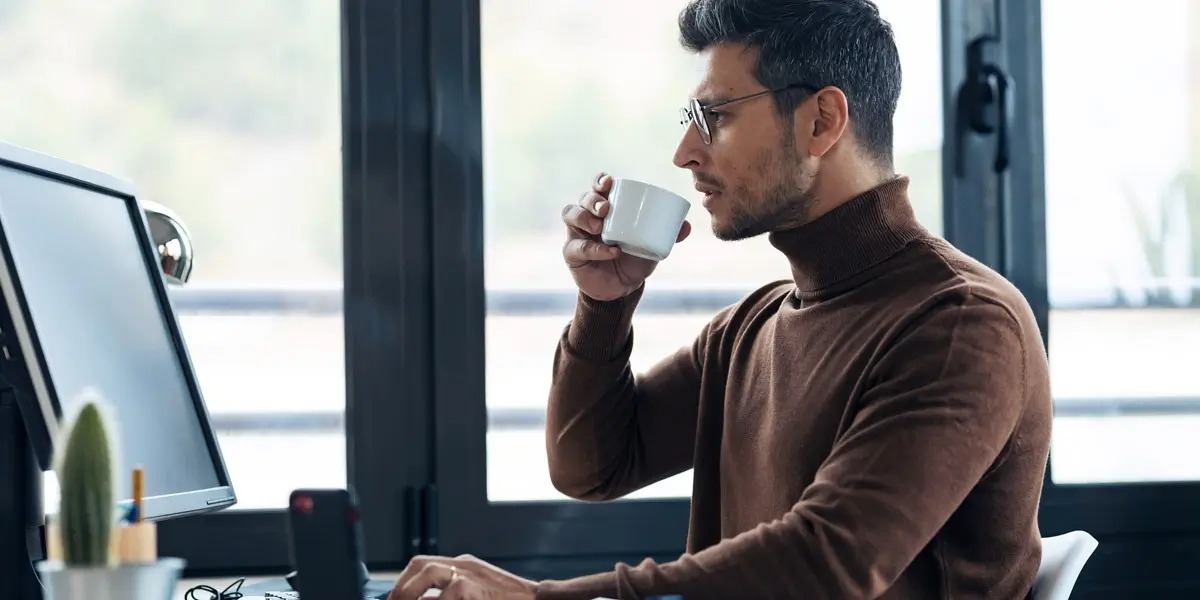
(139, 475)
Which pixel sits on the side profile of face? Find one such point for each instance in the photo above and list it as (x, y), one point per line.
(760, 173)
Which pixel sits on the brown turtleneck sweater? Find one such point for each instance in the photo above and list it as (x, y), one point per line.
(878, 427)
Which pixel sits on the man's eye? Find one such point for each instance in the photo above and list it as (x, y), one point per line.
(715, 117)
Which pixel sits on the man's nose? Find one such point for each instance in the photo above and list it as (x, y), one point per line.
(690, 153)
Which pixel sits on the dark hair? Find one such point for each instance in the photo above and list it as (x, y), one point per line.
(817, 43)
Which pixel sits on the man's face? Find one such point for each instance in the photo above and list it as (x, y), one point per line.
(755, 173)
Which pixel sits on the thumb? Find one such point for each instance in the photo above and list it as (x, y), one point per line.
(684, 231)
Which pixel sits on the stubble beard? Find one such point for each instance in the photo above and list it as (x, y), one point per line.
(785, 202)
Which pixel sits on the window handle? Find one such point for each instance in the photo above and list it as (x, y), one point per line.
(988, 98)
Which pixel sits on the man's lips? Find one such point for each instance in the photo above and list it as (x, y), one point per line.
(710, 197)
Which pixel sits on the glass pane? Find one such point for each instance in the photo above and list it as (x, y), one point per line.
(227, 112)
(541, 149)
(1123, 229)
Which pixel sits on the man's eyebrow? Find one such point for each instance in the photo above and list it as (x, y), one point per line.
(707, 100)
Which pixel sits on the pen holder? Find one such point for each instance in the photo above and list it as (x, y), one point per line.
(130, 544)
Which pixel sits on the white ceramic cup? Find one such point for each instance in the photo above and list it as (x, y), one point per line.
(643, 220)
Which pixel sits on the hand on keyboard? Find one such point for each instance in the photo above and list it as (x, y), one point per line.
(296, 596)
(462, 578)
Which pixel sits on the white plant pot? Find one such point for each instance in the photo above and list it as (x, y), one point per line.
(155, 581)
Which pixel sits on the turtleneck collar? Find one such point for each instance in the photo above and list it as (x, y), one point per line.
(851, 238)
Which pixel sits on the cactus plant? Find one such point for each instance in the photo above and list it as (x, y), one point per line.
(85, 476)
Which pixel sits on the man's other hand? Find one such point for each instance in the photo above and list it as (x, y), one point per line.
(462, 578)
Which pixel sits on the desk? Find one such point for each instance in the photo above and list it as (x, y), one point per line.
(219, 583)
(257, 584)
(267, 583)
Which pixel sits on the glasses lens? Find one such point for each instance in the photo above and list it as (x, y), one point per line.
(700, 118)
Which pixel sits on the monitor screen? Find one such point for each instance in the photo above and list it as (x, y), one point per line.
(97, 318)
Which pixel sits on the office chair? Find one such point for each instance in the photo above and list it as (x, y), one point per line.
(1063, 557)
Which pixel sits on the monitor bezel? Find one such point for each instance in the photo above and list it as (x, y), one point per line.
(41, 410)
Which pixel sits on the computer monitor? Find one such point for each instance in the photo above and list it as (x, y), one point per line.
(84, 305)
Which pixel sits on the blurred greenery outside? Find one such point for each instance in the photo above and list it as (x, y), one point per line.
(211, 108)
(229, 113)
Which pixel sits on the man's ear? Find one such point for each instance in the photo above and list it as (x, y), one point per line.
(828, 119)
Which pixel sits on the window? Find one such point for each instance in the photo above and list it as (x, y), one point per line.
(543, 144)
(228, 112)
(1123, 235)
(231, 114)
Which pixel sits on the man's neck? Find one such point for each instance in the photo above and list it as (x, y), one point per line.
(839, 187)
(851, 237)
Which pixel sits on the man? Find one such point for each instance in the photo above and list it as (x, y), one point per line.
(876, 427)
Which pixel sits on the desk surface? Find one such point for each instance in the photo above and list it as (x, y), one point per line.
(380, 582)
(268, 583)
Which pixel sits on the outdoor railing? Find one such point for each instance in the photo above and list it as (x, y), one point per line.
(199, 299)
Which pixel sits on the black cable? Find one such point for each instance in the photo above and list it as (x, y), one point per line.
(231, 592)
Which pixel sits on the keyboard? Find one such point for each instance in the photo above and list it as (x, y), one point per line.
(296, 596)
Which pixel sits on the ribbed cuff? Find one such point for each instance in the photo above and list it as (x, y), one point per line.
(600, 329)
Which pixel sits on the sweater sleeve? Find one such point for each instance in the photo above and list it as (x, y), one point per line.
(609, 433)
(942, 404)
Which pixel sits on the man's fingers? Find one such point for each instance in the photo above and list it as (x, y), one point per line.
(579, 252)
(580, 219)
(461, 588)
(410, 571)
(462, 578)
(602, 184)
(426, 575)
(595, 203)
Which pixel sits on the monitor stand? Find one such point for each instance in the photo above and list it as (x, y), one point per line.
(22, 514)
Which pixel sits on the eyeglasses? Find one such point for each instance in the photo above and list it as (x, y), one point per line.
(699, 114)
